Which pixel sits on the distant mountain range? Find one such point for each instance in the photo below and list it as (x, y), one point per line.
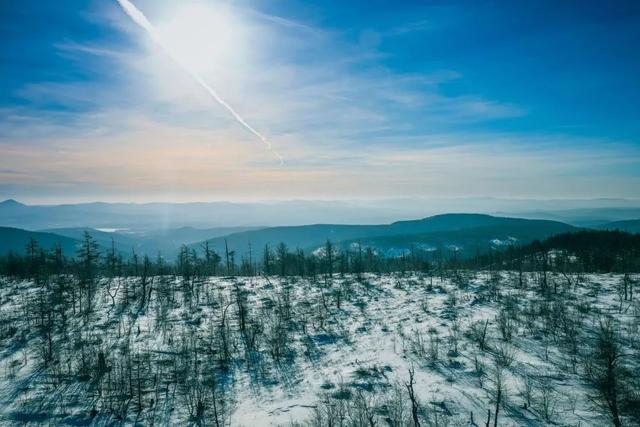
(585, 217)
(133, 217)
(115, 224)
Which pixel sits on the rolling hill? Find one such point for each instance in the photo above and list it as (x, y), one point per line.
(466, 241)
(15, 240)
(477, 230)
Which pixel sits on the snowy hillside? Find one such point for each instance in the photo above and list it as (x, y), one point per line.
(332, 351)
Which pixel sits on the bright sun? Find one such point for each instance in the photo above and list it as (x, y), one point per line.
(202, 37)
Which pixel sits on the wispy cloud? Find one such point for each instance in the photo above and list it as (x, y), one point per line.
(347, 122)
(410, 27)
(154, 160)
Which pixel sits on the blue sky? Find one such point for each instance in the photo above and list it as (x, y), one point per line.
(363, 99)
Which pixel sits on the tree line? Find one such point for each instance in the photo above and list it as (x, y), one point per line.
(279, 260)
(583, 251)
(589, 251)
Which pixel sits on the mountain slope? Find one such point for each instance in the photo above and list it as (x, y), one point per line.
(15, 240)
(631, 226)
(467, 241)
(186, 235)
(440, 229)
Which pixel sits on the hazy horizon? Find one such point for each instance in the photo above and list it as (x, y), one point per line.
(581, 202)
(202, 215)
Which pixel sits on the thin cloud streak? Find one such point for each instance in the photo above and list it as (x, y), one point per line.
(141, 20)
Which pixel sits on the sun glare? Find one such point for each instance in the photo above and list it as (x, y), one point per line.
(203, 37)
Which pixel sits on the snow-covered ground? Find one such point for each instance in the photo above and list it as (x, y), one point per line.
(321, 349)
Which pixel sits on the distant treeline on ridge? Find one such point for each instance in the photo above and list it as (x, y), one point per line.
(582, 251)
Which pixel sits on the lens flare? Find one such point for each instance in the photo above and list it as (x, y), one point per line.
(181, 56)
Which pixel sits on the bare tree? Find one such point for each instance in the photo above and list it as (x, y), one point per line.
(603, 368)
(415, 407)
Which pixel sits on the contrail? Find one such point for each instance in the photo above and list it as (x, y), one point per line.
(141, 20)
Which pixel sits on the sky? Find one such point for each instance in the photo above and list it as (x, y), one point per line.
(361, 99)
